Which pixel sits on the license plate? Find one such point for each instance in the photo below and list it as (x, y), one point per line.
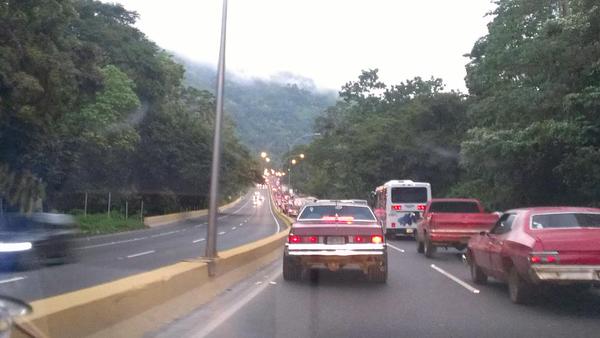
(336, 240)
(409, 231)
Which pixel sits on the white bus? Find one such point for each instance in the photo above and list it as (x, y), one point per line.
(399, 204)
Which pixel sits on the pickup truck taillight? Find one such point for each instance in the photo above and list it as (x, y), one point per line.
(544, 257)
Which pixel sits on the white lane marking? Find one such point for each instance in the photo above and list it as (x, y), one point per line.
(233, 228)
(222, 233)
(111, 243)
(272, 214)
(235, 212)
(14, 279)
(198, 240)
(165, 233)
(454, 278)
(223, 316)
(141, 254)
(395, 247)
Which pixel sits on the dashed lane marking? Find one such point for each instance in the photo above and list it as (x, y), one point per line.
(14, 279)
(141, 254)
(455, 279)
(395, 248)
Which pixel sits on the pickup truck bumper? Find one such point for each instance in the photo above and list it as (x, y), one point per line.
(565, 273)
(443, 237)
(336, 256)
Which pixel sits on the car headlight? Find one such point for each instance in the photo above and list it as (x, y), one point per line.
(15, 247)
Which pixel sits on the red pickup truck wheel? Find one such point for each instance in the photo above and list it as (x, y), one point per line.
(519, 290)
(429, 249)
(420, 246)
(291, 270)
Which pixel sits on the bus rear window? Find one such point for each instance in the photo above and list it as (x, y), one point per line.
(409, 195)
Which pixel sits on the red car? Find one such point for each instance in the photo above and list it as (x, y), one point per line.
(334, 235)
(450, 222)
(532, 247)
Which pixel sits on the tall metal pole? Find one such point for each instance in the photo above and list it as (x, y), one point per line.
(211, 229)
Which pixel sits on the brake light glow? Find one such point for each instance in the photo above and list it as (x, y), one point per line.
(396, 207)
(359, 239)
(550, 257)
(421, 207)
(313, 239)
(376, 239)
(294, 239)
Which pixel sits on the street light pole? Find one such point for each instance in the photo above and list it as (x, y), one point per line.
(211, 229)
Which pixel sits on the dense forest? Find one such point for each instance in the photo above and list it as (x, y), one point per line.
(527, 132)
(271, 114)
(89, 104)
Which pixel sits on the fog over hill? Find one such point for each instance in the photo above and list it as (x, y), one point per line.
(270, 114)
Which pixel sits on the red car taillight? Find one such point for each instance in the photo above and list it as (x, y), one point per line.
(359, 239)
(313, 239)
(396, 207)
(294, 239)
(547, 257)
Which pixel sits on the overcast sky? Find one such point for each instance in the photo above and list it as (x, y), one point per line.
(329, 41)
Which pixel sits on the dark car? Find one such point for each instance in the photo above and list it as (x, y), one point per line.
(30, 240)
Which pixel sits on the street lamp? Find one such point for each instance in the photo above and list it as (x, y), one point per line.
(263, 154)
(301, 155)
(294, 161)
(268, 160)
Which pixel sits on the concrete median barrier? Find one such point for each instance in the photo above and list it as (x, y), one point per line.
(134, 305)
(155, 221)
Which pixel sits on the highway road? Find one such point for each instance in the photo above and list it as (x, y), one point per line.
(422, 298)
(105, 258)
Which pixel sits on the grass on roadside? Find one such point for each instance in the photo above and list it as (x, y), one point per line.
(95, 224)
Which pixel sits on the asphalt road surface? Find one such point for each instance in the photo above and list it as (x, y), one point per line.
(109, 257)
(422, 298)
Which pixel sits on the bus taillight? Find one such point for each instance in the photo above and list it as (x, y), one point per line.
(396, 207)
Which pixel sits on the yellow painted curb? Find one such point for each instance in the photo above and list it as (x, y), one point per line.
(133, 305)
(155, 221)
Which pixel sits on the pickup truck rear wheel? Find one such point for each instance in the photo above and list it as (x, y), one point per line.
(378, 273)
(477, 275)
(519, 290)
(429, 249)
(291, 270)
(420, 246)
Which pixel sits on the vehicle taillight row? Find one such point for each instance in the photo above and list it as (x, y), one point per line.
(398, 207)
(550, 257)
(296, 239)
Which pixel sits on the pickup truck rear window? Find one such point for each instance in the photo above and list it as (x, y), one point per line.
(313, 212)
(566, 220)
(409, 195)
(454, 207)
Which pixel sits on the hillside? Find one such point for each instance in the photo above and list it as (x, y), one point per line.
(269, 114)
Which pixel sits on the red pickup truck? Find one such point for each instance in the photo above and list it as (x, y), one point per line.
(450, 222)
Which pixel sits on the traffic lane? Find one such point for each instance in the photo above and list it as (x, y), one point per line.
(121, 260)
(417, 301)
(100, 240)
